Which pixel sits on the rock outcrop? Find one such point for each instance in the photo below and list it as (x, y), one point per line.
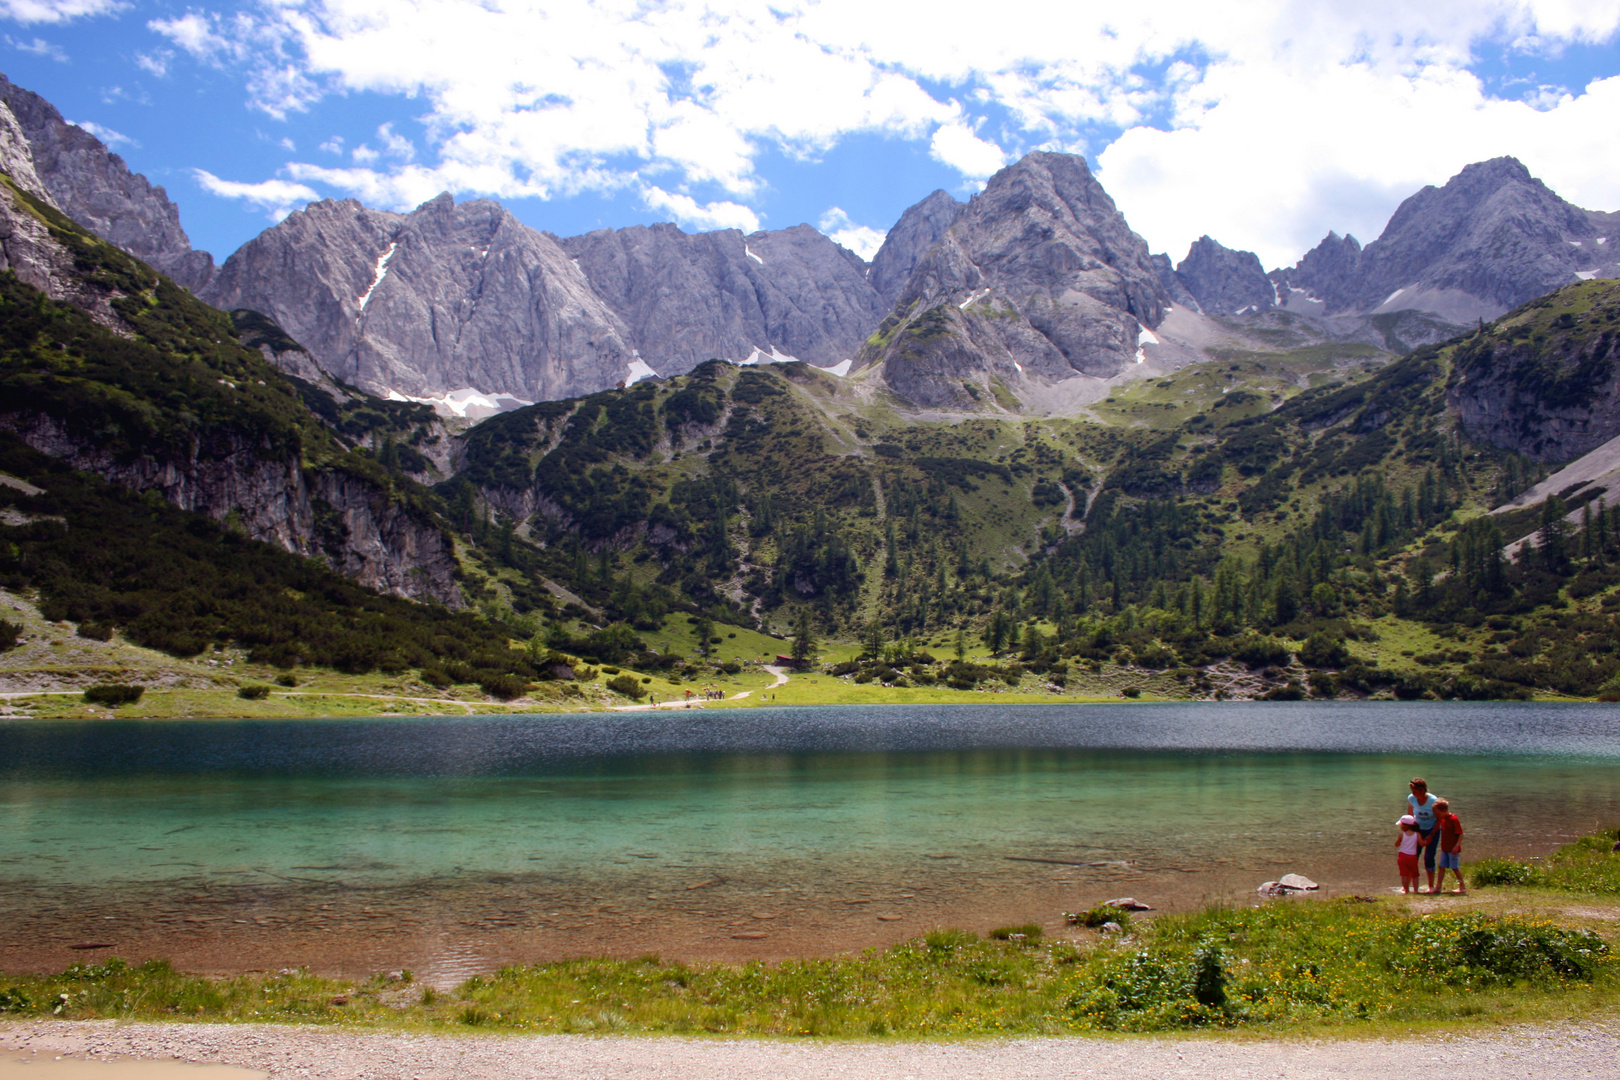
(1492, 238)
(684, 298)
(913, 236)
(1038, 279)
(94, 187)
(1225, 282)
(324, 513)
(445, 298)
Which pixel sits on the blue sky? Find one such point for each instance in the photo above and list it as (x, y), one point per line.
(1263, 124)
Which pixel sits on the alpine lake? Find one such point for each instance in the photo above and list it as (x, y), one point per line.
(455, 846)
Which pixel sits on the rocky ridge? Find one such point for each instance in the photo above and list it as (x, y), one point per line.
(684, 298)
(441, 299)
(1491, 238)
(94, 187)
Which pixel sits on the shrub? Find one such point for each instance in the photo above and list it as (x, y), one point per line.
(94, 631)
(289, 681)
(1027, 932)
(1320, 650)
(253, 693)
(113, 695)
(1260, 652)
(1503, 872)
(628, 685)
(498, 684)
(9, 633)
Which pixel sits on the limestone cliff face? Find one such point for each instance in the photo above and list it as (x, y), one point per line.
(684, 298)
(324, 513)
(444, 298)
(1038, 279)
(94, 187)
(1545, 381)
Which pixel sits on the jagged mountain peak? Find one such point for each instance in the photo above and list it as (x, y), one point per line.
(1036, 280)
(1490, 238)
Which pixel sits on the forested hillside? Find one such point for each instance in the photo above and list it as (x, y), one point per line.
(1274, 524)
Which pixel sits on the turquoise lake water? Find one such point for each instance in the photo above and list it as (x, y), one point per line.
(620, 812)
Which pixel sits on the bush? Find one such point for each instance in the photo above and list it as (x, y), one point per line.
(113, 695)
(289, 681)
(253, 693)
(94, 631)
(1503, 872)
(498, 684)
(1320, 650)
(628, 685)
(1261, 652)
(9, 633)
(1027, 932)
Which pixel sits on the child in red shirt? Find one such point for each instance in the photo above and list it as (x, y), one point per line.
(1451, 834)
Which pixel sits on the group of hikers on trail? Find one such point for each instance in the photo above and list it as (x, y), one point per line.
(1429, 825)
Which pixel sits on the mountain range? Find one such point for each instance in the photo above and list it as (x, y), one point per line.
(1131, 469)
(1029, 297)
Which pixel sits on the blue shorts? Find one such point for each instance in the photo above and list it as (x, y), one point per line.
(1450, 860)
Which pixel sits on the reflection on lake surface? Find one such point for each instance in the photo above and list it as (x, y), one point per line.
(455, 844)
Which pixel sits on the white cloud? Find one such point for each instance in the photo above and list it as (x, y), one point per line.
(277, 198)
(56, 11)
(861, 239)
(1264, 125)
(956, 146)
(105, 134)
(155, 62)
(334, 145)
(38, 47)
(689, 212)
(288, 145)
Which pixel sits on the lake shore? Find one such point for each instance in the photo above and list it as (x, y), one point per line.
(27, 1050)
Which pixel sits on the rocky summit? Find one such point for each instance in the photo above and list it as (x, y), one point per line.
(1038, 279)
(1492, 238)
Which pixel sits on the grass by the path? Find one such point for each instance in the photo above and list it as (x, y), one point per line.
(1283, 966)
(1589, 865)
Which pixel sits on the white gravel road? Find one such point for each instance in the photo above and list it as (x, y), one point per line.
(306, 1053)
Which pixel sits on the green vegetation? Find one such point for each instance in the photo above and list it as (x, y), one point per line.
(1589, 865)
(1285, 965)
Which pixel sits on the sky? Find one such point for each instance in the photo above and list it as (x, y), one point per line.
(1263, 124)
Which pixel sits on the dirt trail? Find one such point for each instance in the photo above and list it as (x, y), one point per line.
(696, 702)
(316, 1053)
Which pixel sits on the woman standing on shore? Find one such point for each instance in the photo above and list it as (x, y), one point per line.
(1428, 824)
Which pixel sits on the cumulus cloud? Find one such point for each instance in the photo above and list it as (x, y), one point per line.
(956, 145)
(1264, 127)
(277, 198)
(689, 212)
(56, 11)
(861, 239)
(105, 134)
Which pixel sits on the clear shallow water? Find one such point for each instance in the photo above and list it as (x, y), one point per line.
(490, 820)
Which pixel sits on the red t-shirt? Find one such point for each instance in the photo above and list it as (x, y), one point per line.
(1451, 832)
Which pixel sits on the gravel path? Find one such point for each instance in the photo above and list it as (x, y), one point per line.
(309, 1053)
